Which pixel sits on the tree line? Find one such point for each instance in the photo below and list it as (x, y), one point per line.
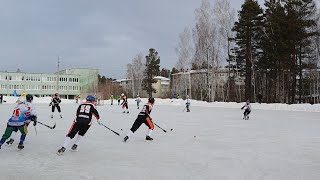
(275, 49)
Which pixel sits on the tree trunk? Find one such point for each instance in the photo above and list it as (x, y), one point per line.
(300, 74)
(248, 71)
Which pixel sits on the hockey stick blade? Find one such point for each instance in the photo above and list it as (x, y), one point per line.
(47, 125)
(160, 128)
(110, 129)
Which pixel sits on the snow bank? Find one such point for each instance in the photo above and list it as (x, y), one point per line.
(181, 102)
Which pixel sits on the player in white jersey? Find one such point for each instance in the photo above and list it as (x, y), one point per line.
(247, 111)
(17, 122)
(30, 116)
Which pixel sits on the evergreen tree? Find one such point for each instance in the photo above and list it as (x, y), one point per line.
(165, 72)
(247, 33)
(274, 52)
(174, 70)
(288, 27)
(152, 70)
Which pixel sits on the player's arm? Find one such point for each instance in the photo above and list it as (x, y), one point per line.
(95, 113)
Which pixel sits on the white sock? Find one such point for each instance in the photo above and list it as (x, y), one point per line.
(149, 132)
(129, 133)
(13, 135)
(66, 142)
(78, 139)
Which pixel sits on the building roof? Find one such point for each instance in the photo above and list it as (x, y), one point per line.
(121, 80)
(162, 78)
(220, 70)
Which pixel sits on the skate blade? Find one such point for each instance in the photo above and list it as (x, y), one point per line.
(20, 149)
(8, 145)
(59, 154)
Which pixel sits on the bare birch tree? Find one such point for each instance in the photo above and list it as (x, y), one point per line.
(184, 52)
(225, 17)
(138, 67)
(204, 39)
(135, 73)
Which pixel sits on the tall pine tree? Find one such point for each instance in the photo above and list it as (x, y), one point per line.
(271, 67)
(247, 33)
(300, 28)
(152, 70)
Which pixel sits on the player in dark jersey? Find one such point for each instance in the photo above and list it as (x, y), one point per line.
(124, 103)
(55, 101)
(81, 124)
(143, 117)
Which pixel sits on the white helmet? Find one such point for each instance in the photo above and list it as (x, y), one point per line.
(122, 94)
(21, 99)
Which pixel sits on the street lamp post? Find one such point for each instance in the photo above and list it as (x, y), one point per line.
(58, 74)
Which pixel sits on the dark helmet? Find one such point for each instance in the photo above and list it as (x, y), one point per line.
(90, 98)
(151, 100)
(29, 97)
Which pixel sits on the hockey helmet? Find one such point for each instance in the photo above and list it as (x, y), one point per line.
(151, 100)
(29, 97)
(90, 98)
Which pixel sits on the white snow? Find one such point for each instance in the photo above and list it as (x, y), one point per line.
(211, 142)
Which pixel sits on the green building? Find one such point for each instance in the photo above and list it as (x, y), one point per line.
(70, 83)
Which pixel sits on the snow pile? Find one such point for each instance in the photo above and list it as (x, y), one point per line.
(263, 106)
(181, 102)
(41, 100)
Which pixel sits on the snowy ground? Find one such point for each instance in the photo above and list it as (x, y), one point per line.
(208, 143)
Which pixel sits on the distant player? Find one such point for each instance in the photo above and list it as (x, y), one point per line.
(188, 104)
(124, 103)
(55, 101)
(138, 99)
(111, 99)
(247, 110)
(81, 124)
(17, 121)
(31, 116)
(143, 117)
(119, 99)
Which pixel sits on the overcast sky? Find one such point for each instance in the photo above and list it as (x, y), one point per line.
(103, 34)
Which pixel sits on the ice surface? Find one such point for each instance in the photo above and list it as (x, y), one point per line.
(272, 145)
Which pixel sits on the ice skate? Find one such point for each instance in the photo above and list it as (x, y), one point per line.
(61, 151)
(125, 139)
(148, 138)
(74, 147)
(20, 146)
(9, 142)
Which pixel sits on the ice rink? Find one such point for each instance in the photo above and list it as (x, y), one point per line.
(207, 143)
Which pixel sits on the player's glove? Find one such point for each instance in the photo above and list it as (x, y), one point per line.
(99, 122)
(34, 119)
